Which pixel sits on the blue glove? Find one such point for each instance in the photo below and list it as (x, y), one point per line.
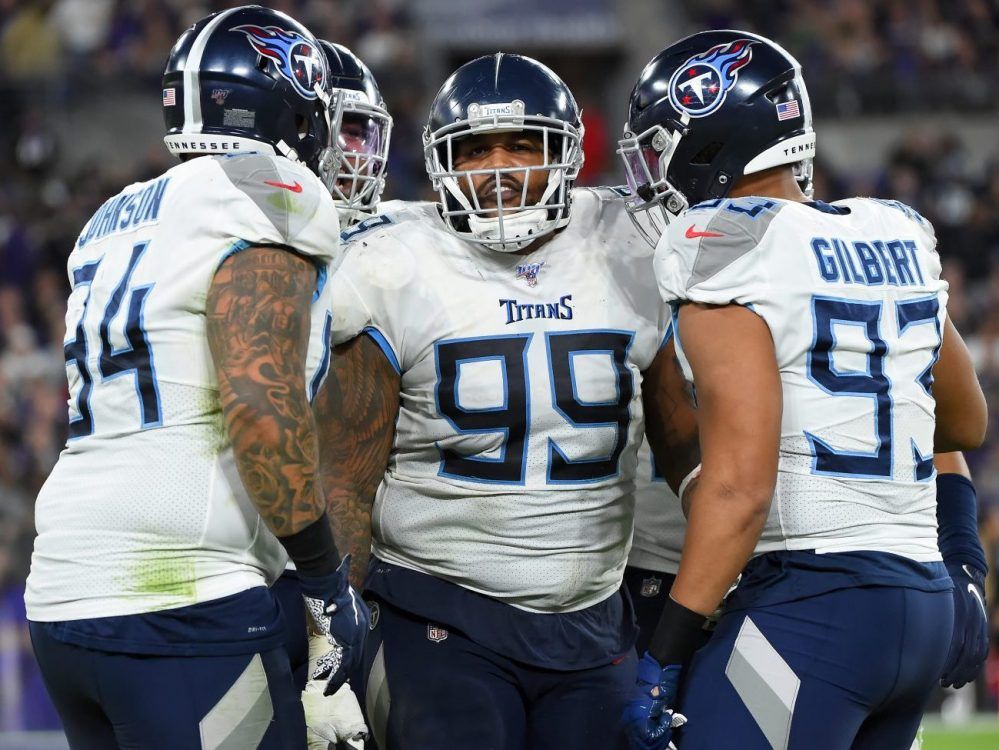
(970, 643)
(649, 718)
(341, 618)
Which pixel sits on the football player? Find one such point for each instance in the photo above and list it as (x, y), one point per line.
(198, 331)
(362, 142)
(363, 138)
(494, 352)
(812, 334)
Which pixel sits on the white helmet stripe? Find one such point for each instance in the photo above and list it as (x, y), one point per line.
(192, 74)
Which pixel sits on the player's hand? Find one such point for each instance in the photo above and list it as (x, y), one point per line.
(330, 719)
(970, 643)
(341, 620)
(649, 718)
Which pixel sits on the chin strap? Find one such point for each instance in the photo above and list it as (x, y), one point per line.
(513, 232)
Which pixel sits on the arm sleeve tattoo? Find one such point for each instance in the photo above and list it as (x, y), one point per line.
(258, 330)
(356, 411)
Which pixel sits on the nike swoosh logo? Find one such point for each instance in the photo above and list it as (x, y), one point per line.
(693, 234)
(978, 597)
(296, 188)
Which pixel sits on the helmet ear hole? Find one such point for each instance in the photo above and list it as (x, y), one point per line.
(780, 94)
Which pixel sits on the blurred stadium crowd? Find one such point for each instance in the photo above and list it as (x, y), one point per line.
(859, 57)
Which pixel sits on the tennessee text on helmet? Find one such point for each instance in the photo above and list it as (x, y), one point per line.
(361, 137)
(495, 94)
(706, 111)
(249, 79)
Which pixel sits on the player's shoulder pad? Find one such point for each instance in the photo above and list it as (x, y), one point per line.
(298, 209)
(390, 220)
(712, 235)
(908, 211)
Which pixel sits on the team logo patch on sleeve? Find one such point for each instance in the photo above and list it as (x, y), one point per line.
(295, 57)
(700, 85)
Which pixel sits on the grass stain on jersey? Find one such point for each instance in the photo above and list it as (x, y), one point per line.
(173, 579)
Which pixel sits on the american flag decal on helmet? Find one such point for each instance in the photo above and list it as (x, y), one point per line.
(788, 110)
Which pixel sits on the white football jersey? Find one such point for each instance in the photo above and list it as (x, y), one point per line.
(145, 510)
(659, 522)
(853, 299)
(512, 471)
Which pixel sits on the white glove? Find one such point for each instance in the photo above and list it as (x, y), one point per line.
(331, 718)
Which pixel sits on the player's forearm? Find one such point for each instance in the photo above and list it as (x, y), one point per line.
(961, 409)
(275, 449)
(258, 331)
(724, 526)
(356, 410)
(670, 418)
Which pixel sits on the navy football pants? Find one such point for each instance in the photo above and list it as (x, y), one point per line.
(848, 670)
(428, 688)
(136, 702)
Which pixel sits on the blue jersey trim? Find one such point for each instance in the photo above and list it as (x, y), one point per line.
(236, 247)
(379, 338)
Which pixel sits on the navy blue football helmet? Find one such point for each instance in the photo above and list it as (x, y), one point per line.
(499, 93)
(707, 110)
(363, 134)
(249, 79)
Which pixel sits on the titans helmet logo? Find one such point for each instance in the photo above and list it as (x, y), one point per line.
(700, 85)
(295, 57)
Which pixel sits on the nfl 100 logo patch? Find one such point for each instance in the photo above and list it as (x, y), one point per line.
(529, 272)
(651, 587)
(436, 633)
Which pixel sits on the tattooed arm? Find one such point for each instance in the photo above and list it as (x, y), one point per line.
(356, 411)
(258, 331)
(670, 418)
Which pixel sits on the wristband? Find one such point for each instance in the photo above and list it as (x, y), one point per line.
(312, 549)
(678, 635)
(957, 522)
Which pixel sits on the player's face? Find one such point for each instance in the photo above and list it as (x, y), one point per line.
(359, 136)
(502, 151)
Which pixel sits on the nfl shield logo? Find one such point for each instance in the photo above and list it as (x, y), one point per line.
(651, 586)
(529, 272)
(436, 633)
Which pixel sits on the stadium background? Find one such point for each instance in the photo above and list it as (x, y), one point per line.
(906, 98)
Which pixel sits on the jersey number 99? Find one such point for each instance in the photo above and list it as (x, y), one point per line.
(512, 418)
